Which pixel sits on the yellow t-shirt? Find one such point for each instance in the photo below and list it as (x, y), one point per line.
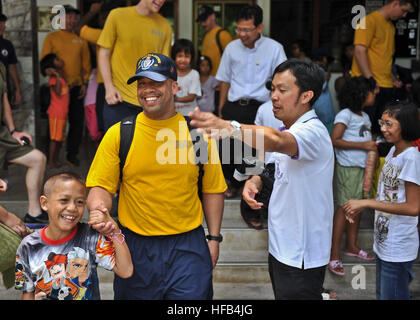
(130, 36)
(74, 51)
(379, 37)
(92, 35)
(211, 49)
(158, 195)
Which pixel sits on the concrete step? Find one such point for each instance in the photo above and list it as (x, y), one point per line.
(231, 215)
(255, 283)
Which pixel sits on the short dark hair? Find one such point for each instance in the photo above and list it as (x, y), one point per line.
(61, 176)
(206, 58)
(354, 92)
(302, 44)
(309, 76)
(3, 17)
(248, 12)
(47, 62)
(407, 115)
(183, 45)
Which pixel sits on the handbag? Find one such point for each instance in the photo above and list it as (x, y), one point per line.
(9, 243)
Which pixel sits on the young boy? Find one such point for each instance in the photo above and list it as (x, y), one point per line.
(52, 66)
(60, 260)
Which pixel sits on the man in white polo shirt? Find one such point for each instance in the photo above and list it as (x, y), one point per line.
(300, 212)
(247, 64)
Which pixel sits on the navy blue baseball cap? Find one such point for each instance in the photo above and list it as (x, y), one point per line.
(155, 66)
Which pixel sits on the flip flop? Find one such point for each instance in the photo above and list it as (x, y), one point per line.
(336, 267)
(361, 255)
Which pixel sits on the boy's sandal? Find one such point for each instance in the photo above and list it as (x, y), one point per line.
(361, 255)
(336, 267)
(328, 294)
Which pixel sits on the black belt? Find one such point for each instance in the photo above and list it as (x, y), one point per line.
(247, 101)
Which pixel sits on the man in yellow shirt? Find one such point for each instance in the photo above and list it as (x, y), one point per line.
(159, 208)
(129, 33)
(74, 51)
(374, 42)
(214, 35)
(101, 11)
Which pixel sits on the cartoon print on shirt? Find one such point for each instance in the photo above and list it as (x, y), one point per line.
(56, 284)
(19, 276)
(382, 228)
(391, 182)
(78, 271)
(389, 178)
(364, 131)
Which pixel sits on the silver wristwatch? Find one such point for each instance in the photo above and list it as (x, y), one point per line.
(236, 129)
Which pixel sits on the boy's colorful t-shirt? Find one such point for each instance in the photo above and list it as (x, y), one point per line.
(64, 269)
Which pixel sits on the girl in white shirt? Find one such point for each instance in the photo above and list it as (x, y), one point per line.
(188, 79)
(397, 204)
(352, 140)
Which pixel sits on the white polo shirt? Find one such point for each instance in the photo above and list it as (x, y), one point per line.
(300, 212)
(247, 70)
(265, 117)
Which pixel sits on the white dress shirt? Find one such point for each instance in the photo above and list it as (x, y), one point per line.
(247, 70)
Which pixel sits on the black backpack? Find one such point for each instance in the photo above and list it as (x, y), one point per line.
(127, 128)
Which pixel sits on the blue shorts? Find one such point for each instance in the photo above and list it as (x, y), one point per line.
(174, 267)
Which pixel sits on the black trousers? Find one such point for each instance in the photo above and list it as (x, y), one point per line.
(76, 118)
(237, 149)
(99, 108)
(290, 283)
(117, 112)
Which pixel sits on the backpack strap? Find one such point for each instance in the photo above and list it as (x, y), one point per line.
(127, 127)
(199, 145)
(219, 44)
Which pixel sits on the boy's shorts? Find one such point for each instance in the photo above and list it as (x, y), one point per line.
(174, 267)
(10, 149)
(348, 183)
(57, 129)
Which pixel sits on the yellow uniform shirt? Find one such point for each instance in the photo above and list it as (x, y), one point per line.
(130, 36)
(92, 35)
(379, 38)
(158, 195)
(74, 51)
(211, 49)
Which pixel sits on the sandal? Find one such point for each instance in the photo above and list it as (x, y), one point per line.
(336, 267)
(328, 294)
(361, 255)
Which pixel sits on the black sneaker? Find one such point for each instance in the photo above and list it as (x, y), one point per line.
(41, 219)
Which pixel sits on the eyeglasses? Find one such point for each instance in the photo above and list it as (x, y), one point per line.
(387, 124)
(245, 30)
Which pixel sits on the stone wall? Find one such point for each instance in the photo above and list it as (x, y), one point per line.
(19, 31)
